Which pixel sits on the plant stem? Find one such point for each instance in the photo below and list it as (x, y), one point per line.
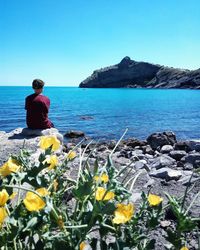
(76, 226)
(134, 180)
(192, 202)
(186, 191)
(123, 169)
(81, 211)
(118, 142)
(109, 227)
(179, 198)
(19, 194)
(15, 245)
(25, 189)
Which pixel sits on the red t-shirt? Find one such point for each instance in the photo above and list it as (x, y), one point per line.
(37, 107)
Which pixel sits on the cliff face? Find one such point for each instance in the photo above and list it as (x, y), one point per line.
(129, 73)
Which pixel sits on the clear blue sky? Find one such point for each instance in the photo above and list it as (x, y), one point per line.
(63, 41)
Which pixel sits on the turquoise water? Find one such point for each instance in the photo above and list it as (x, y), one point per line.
(142, 111)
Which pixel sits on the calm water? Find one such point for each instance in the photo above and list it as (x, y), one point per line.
(143, 111)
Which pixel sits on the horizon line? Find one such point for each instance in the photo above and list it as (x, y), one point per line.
(31, 86)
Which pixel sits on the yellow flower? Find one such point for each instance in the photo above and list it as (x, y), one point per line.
(13, 195)
(100, 194)
(123, 213)
(85, 246)
(42, 191)
(184, 248)
(104, 178)
(55, 185)
(33, 202)
(154, 200)
(3, 197)
(60, 222)
(71, 155)
(3, 214)
(11, 166)
(48, 141)
(52, 161)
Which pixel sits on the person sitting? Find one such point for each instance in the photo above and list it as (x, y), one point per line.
(37, 108)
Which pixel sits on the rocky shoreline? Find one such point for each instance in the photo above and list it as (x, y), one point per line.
(165, 165)
(161, 155)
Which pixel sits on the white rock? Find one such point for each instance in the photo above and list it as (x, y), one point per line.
(44, 132)
(166, 149)
(166, 173)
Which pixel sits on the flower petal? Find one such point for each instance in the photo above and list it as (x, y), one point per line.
(48, 141)
(33, 202)
(154, 200)
(11, 166)
(3, 214)
(123, 213)
(71, 155)
(103, 194)
(3, 197)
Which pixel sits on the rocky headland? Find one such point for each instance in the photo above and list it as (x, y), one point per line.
(132, 74)
(164, 164)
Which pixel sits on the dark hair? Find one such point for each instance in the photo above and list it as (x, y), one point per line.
(37, 84)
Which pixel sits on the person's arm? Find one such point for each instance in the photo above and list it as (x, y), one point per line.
(46, 105)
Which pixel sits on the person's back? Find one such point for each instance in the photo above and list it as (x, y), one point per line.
(37, 106)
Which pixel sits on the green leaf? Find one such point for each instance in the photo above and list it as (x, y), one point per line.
(97, 208)
(174, 238)
(186, 224)
(197, 170)
(83, 189)
(118, 245)
(48, 150)
(109, 162)
(61, 244)
(40, 245)
(103, 244)
(150, 245)
(96, 167)
(94, 243)
(109, 208)
(153, 222)
(31, 224)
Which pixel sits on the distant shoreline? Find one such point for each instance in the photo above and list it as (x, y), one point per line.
(127, 88)
(132, 74)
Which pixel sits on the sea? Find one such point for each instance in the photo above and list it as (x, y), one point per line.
(106, 113)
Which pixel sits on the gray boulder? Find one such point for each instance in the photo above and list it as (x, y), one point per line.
(166, 149)
(133, 142)
(141, 164)
(191, 158)
(156, 140)
(162, 161)
(194, 145)
(25, 133)
(177, 154)
(74, 134)
(166, 173)
(188, 166)
(182, 145)
(186, 178)
(148, 150)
